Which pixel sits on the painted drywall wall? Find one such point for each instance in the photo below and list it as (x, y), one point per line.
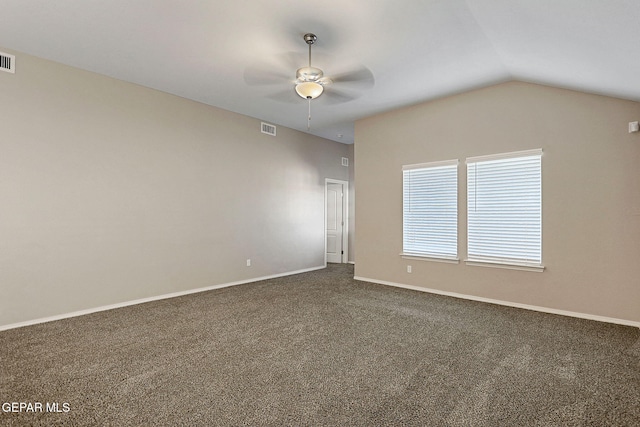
(112, 192)
(591, 194)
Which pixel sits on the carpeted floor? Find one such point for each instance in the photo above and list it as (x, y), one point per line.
(321, 349)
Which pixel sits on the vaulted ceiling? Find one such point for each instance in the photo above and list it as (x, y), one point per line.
(242, 55)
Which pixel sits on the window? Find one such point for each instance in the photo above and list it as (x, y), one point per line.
(504, 209)
(430, 210)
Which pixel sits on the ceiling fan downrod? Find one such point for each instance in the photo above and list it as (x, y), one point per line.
(310, 39)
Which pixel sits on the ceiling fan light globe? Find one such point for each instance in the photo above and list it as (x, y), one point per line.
(309, 90)
(309, 74)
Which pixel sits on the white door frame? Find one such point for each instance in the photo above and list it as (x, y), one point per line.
(345, 218)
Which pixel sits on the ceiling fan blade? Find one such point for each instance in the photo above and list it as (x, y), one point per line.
(333, 96)
(361, 77)
(278, 70)
(263, 76)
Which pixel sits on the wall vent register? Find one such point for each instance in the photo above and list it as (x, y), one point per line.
(7, 63)
(268, 129)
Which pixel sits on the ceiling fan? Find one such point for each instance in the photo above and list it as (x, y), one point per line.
(310, 82)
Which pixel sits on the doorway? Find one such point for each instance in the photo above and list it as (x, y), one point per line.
(336, 221)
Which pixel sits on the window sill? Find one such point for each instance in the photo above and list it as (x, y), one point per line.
(505, 265)
(447, 260)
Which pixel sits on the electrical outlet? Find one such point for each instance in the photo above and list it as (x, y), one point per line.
(248, 263)
(408, 269)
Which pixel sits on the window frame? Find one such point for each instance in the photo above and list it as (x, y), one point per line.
(432, 255)
(489, 259)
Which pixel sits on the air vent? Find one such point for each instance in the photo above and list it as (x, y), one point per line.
(268, 129)
(7, 63)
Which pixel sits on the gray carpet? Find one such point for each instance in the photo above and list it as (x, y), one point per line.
(322, 349)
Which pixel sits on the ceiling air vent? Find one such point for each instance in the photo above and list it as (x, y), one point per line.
(268, 129)
(7, 62)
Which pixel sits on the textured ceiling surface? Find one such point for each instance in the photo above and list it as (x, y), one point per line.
(242, 55)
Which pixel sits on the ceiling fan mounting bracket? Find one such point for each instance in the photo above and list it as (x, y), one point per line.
(310, 38)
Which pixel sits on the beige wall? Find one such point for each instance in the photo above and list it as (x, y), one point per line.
(591, 194)
(111, 192)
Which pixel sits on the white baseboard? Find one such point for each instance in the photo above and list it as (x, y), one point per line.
(149, 299)
(506, 303)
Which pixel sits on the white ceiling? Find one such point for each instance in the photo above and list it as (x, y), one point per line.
(212, 51)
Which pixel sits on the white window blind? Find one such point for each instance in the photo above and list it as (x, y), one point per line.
(504, 208)
(430, 210)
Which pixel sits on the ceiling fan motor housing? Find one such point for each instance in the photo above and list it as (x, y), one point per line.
(309, 74)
